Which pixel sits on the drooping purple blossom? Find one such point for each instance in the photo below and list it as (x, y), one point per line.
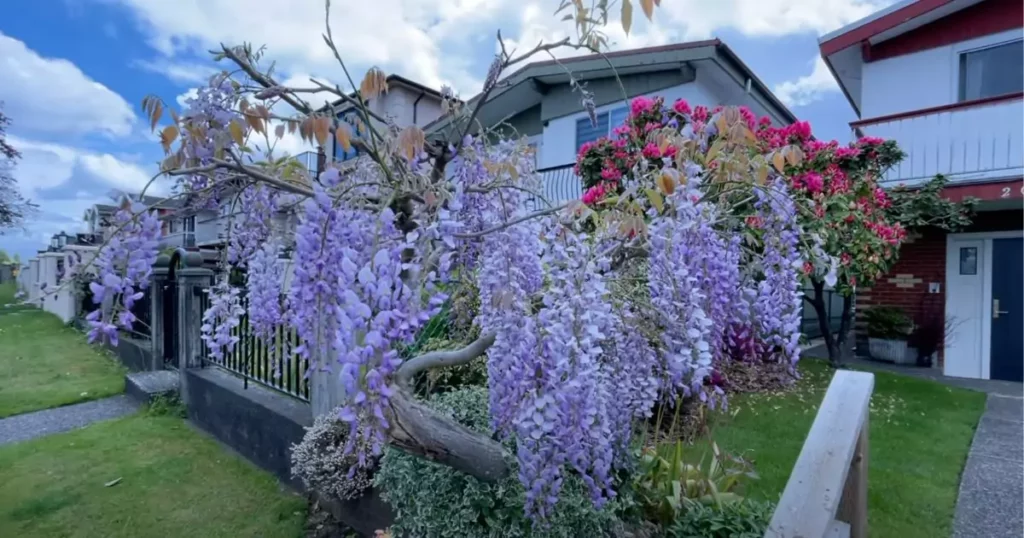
(778, 301)
(264, 280)
(123, 269)
(220, 319)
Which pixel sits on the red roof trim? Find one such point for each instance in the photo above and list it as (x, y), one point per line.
(942, 108)
(880, 25)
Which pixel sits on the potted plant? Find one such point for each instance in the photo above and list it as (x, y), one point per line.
(888, 330)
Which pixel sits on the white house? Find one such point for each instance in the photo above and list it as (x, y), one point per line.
(538, 102)
(945, 79)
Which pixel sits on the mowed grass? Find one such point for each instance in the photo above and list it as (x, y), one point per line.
(44, 363)
(173, 482)
(920, 433)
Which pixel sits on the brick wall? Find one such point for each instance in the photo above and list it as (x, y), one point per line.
(922, 261)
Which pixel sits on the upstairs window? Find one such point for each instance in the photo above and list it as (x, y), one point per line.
(606, 123)
(992, 71)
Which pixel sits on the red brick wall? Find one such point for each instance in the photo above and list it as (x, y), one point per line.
(923, 260)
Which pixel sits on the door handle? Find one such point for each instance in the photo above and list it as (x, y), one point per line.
(995, 309)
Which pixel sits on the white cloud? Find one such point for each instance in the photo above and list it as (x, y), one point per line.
(52, 95)
(180, 72)
(808, 88)
(440, 41)
(46, 165)
(192, 93)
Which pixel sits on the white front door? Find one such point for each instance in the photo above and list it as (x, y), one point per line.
(966, 275)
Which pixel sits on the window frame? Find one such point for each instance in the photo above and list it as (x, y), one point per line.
(611, 126)
(961, 69)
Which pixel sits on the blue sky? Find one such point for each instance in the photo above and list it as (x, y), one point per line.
(74, 72)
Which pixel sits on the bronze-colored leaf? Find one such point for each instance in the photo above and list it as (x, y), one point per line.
(236, 131)
(762, 175)
(411, 141)
(374, 83)
(154, 117)
(254, 122)
(648, 7)
(321, 129)
(292, 126)
(779, 161)
(666, 181)
(344, 136)
(167, 137)
(794, 156)
(243, 106)
(279, 130)
(715, 149)
(627, 15)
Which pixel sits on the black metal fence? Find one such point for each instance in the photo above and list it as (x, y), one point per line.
(560, 183)
(271, 364)
(833, 307)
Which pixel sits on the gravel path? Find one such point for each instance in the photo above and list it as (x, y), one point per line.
(989, 504)
(61, 419)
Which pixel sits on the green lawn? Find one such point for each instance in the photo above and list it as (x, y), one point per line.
(173, 482)
(920, 434)
(45, 364)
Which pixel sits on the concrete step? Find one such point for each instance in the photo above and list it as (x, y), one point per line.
(144, 387)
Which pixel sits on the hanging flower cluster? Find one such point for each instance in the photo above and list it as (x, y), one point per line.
(220, 320)
(264, 281)
(123, 269)
(251, 225)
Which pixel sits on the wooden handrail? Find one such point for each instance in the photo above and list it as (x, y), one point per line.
(827, 493)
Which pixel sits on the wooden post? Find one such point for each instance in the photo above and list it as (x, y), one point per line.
(830, 477)
(853, 507)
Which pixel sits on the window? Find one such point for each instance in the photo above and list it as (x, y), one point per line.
(606, 123)
(351, 118)
(968, 260)
(992, 71)
(190, 223)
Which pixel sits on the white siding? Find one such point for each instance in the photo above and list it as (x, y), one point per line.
(559, 143)
(923, 79)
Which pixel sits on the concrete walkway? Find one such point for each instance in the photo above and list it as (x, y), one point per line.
(61, 419)
(990, 504)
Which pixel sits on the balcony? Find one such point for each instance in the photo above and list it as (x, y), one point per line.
(559, 184)
(968, 142)
(178, 239)
(308, 159)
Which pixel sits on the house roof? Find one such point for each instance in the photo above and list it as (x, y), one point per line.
(633, 61)
(844, 49)
(394, 80)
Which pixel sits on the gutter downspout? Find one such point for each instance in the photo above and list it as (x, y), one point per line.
(414, 104)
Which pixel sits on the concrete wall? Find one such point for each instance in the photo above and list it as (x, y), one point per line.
(923, 79)
(257, 422)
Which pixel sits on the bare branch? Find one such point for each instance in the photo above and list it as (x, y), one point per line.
(442, 359)
(513, 222)
(264, 80)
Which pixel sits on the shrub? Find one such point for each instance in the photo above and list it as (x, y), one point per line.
(432, 500)
(320, 462)
(740, 519)
(888, 322)
(667, 480)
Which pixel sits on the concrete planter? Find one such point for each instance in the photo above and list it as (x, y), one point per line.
(894, 351)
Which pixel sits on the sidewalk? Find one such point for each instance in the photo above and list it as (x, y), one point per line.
(61, 419)
(990, 504)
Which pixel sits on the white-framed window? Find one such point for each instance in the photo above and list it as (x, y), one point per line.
(607, 121)
(992, 71)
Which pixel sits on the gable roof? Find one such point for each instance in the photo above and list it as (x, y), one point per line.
(627, 62)
(844, 50)
(391, 81)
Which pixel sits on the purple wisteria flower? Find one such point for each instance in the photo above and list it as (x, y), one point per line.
(123, 269)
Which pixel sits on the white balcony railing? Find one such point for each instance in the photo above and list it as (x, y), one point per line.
(179, 239)
(967, 142)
